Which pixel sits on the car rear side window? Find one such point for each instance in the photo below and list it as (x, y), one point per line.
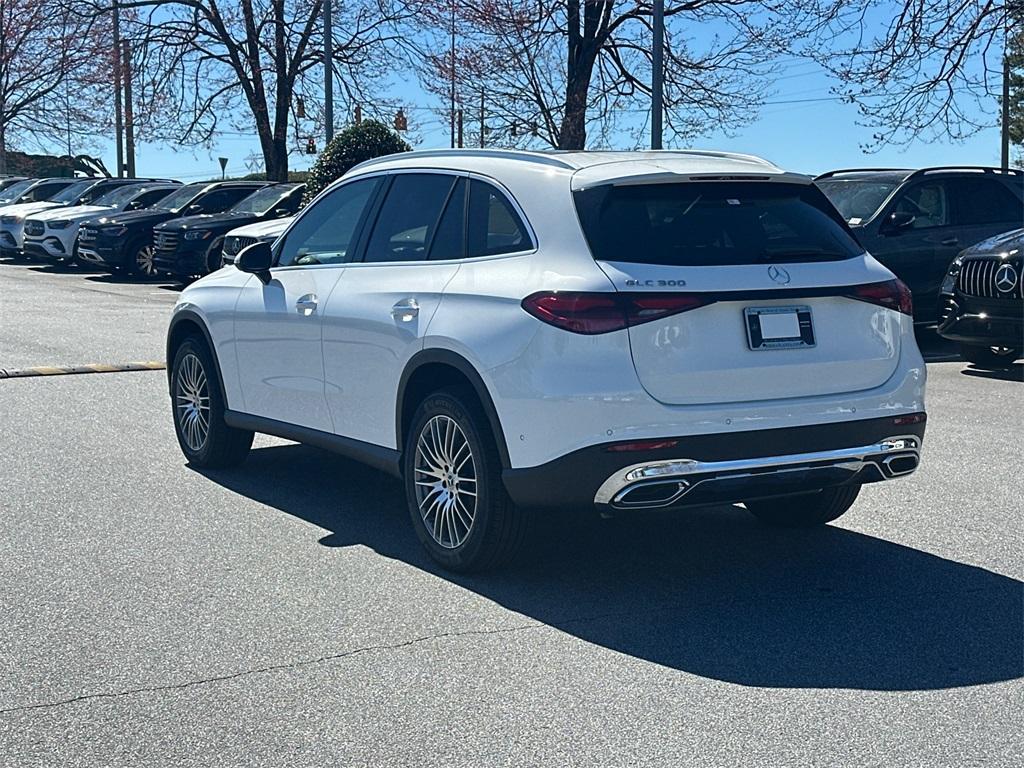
(494, 227)
(712, 224)
(986, 201)
(450, 239)
(408, 217)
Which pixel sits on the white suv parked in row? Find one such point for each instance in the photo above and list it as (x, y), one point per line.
(513, 331)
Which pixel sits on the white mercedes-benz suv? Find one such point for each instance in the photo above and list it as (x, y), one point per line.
(514, 331)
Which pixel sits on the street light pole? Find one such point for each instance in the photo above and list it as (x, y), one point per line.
(658, 73)
(1005, 137)
(328, 72)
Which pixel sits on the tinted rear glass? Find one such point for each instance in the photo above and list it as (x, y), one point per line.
(712, 224)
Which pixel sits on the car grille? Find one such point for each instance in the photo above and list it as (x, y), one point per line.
(232, 245)
(87, 235)
(34, 228)
(986, 278)
(166, 241)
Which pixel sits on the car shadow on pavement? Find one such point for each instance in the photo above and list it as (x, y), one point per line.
(1014, 373)
(707, 591)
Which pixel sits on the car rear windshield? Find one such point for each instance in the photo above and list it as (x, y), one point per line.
(712, 223)
(857, 199)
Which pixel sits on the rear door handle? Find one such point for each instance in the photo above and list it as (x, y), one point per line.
(406, 310)
(951, 241)
(306, 305)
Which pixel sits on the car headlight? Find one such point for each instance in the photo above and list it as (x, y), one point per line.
(197, 235)
(58, 224)
(949, 281)
(114, 231)
(10, 219)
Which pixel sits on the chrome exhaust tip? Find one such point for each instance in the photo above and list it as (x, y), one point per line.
(651, 495)
(901, 464)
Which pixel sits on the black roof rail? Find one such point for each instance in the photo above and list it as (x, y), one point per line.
(830, 174)
(982, 168)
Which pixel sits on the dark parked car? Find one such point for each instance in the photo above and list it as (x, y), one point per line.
(191, 246)
(125, 240)
(981, 302)
(915, 222)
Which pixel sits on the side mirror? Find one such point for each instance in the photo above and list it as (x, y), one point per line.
(898, 221)
(195, 208)
(280, 213)
(256, 259)
(134, 205)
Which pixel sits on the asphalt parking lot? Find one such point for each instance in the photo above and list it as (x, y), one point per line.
(283, 613)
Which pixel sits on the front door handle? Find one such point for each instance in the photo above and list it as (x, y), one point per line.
(406, 310)
(306, 305)
(951, 241)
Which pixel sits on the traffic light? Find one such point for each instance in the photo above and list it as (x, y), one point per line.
(310, 146)
(401, 123)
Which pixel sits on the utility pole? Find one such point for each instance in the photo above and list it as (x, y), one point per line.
(1005, 137)
(3, 58)
(328, 72)
(658, 74)
(460, 128)
(453, 76)
(118, 127)
(129, 115)
(482, 126)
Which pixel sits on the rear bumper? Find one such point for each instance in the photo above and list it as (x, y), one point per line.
(724, 467)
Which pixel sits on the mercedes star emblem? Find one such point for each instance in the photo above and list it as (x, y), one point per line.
(1006, 278)
(781, 276)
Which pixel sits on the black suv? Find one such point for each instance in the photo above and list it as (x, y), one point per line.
(125, 240)
(191, 246)
(981, 302)
(915, 222)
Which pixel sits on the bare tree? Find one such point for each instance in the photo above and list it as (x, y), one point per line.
(51, 58)
(566, 72)
(931, 69)
(240, 66)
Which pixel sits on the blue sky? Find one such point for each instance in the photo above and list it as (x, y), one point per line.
(808, 135)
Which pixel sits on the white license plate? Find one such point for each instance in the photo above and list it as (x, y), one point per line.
(779, 327)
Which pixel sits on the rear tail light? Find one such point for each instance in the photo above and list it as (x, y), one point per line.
(593, 313)
(891, 294)
(642, 445)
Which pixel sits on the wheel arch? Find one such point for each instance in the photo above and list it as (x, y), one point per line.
(431, 369)
(184, 324)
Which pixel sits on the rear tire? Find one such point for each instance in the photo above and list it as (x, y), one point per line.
(806, 509)
(198, 406)
(457, 501)
(988, 357)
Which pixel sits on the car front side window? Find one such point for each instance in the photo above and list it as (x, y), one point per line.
(326, 232)
(928, 203)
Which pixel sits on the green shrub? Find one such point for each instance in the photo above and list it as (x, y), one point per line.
(352, 146)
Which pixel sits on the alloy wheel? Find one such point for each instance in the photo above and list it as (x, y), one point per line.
(192, 402)
(445, 481)
(145, 260)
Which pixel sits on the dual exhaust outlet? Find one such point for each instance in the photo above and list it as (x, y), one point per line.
(688, 481)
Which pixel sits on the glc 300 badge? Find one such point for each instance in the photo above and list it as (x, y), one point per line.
(1006, 278)
(779, 275)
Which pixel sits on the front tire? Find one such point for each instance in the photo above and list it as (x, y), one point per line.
(457, 502)
(989, 357)
(143, 263)
(805, 510)
(198, 405)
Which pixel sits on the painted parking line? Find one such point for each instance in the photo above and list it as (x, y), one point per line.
(64, 370)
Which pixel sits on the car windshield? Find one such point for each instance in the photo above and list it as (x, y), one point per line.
(118, 196)
(15, 191)
(71, 193)
(712, 223)
(857, 199)
(180, 197)
(261, 201)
